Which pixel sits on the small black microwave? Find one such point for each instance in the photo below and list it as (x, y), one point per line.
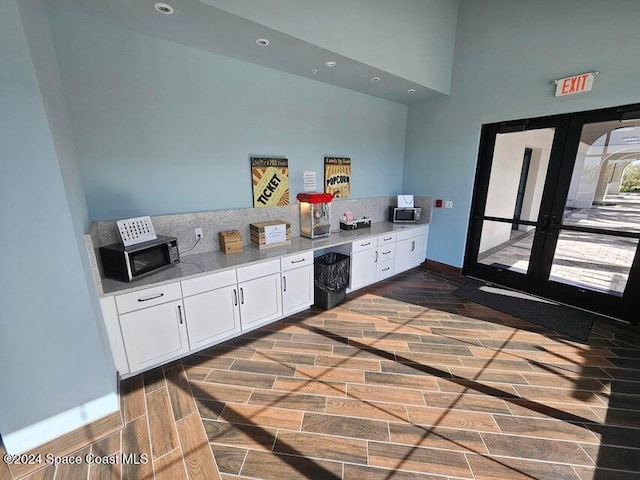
(127, 263)
(404, 214)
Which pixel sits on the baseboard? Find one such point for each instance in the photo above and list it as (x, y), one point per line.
(448, 271)
(64, 423)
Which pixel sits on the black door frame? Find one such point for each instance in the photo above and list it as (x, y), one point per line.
(568, 129)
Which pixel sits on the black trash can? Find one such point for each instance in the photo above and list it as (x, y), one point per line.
(331, 272)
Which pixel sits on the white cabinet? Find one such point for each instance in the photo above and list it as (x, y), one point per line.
(259, 294)
(410, 248)
(404, 249)
(212, 308)
(152, 334)
(297, 282)
(150, 327)
(419, 251)
(372, 259)
(363, 263)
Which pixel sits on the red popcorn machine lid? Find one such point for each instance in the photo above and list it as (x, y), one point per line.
(315, 197)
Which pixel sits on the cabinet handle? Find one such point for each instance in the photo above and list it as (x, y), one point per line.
(387, 239)
(365, 244)
(385, 269)
(180, 314)
(241, 296)
(235, 297)
(386, 253)
(152, 297)
(376, 256)
(297, 261)
(284, 284)
(413, 245)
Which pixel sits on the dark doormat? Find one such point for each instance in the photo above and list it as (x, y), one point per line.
(566, 320)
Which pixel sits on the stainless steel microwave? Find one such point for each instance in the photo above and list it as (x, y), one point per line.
(404, 214)
(127, 263)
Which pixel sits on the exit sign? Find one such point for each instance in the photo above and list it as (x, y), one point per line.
(575, 84)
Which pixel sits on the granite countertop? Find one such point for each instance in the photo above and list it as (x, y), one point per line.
(208, 262)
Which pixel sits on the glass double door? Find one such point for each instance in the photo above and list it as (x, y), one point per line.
(556, 212)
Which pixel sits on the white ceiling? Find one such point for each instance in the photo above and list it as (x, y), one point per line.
(208, 28)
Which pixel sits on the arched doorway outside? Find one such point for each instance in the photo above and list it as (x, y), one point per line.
(630, 179)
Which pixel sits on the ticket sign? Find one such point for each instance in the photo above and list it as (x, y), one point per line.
(575, 84)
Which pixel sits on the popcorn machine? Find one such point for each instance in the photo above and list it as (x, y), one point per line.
(315, 214)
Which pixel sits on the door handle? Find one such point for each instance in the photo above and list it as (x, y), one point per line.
(284, 284)
(235, 297)
(241, 296)
(180, 314)
(413, 245)
(545, 223)
(376, 260)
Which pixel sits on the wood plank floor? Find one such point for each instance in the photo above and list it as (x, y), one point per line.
(402, 381)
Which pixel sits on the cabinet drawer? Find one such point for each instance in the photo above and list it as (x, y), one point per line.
(208, 282)
(422, 230)
(384, 269)
(404, 234)
(258, 270)
(148, 297)
(364, 244)
(296, 261)
(386, 252)
(387, 238)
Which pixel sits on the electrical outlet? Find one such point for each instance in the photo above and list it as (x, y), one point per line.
(198, 233)
(448, 204)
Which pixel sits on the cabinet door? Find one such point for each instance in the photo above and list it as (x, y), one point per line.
(363, 268)
(297, 289)
(403, 255)
(154, 335)
(212, 315)
(260, 300)
(419, 250)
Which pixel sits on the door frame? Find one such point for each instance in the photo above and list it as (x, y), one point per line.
(568, 129)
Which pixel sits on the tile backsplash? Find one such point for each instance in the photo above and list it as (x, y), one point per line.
(182, 226)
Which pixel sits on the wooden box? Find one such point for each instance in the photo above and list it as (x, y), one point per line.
(230, 241)
(259, 239)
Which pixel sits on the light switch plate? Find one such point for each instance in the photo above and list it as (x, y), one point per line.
(405, 201)
(448, 204)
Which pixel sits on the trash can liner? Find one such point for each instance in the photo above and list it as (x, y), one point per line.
(331, 272)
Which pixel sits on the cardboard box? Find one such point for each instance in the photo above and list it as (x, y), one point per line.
(274, 233)
(230, 241)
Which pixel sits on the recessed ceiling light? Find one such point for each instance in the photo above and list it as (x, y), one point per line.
(634, 139)
(263, 42)
(163, 8)
(375, 79)
(411, 90)
(330, 63)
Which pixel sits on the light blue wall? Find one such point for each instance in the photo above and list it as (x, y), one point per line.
(51, 352)
(162, 128)
(507, 53)
(35, 22)
(412, 39)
